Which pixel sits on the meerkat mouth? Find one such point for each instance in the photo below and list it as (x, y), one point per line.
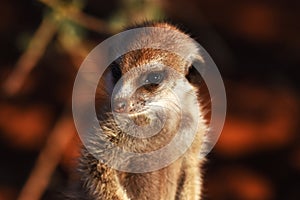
(141, 120)
(137, 113)
(140, 117)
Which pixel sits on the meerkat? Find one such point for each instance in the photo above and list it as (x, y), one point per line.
(148, 83)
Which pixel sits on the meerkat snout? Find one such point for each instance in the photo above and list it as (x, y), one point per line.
(120, 105)
(137, 95)
(137, 88)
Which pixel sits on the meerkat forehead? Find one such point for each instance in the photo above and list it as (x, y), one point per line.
(152, 57)
(162, 43)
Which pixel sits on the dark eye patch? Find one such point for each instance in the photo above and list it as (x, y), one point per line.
(116, 71)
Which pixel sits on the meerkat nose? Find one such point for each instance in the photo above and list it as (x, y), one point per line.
(120, 105)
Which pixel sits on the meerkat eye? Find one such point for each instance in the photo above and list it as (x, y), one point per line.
(154, 78)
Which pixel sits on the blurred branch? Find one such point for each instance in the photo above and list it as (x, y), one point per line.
(76, 48)
(31, 56)
(74, 14)
(43, 36)
(48, 159)
(77, 53)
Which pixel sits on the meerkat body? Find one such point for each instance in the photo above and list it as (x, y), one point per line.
(146, 91)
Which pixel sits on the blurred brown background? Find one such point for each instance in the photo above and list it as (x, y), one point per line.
(255, 44)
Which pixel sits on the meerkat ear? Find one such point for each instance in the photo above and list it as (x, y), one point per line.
(197, 58)
(193, 55)
(194, 69)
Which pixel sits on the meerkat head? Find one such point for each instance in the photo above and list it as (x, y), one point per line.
(152, 92)
(147, 100)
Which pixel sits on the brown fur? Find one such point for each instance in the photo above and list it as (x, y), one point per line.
(180, 180)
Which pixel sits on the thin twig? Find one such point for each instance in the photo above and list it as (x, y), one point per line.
(31, 56)
(74, 14)
(48, 160)
(76, 50)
